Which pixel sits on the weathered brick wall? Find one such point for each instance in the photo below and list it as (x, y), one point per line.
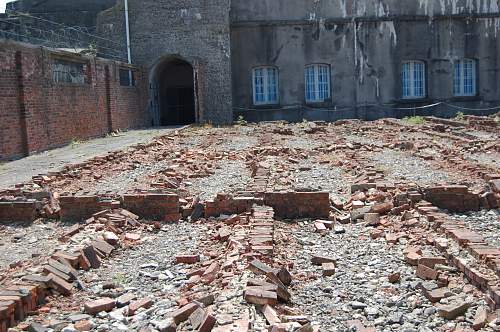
(11, 142)
(38, 114)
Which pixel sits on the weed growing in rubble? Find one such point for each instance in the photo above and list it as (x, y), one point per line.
(415, 120)
(120, 279)
(460, 116)
(241, 121)
(74, 143)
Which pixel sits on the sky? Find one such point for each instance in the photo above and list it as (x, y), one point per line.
(2, 5)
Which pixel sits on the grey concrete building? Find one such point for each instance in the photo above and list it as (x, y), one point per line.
(313, 59)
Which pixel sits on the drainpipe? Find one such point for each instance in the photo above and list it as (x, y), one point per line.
(127, 30)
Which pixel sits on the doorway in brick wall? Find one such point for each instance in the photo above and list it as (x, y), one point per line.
(175, 93)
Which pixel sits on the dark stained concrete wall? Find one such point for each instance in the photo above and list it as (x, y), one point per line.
(365, 43)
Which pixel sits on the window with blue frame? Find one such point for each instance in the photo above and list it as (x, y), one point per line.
(317, 79)
(265, 86)
(464, 78)
(413, 79)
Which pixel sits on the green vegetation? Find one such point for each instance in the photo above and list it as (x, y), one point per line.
(460, 116)
(415, 120)
(74, 143)
(120, 279)
(241, 121)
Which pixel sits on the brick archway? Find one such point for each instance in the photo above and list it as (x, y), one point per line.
(173, 92)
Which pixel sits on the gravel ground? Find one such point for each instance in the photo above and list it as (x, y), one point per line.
(295, 142)
(360, 288)
(314, 176)
(400, 166)
(20, 242)
(124, 181)
(230, 177)
(487, 223)
(485, 159)
(145, 270)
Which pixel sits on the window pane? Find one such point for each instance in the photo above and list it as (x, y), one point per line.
(272, 86)
(457, 79)
(406, 79)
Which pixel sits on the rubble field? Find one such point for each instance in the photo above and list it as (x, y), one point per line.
(313, 226)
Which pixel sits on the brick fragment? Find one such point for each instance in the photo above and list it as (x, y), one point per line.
(125, 299)
(453, 310)
(270, 314)
(102, 248)
(91, 255)
(208, 323)
(480, 319)
(319, 260)
(187, 259)
(60, 285)
(83, 262)
(104, 304)
(372, 219)
(260, 296)
(285, 276)
(432, 261)
(197, 317)
(182, 314)
(426, 273)
(136, 305)
(328, 269)
(258, 267)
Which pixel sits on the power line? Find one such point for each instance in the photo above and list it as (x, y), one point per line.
(67, 27)
(60, 43)
(56, 34)
(49, 42)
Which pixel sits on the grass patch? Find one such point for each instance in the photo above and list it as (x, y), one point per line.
(241, 121)
(120, 279)
(414, 120)
(460, 116)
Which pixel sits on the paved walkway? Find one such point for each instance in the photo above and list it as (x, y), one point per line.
(53, 160)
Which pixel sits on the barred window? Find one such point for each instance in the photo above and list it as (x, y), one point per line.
(317, 79)
(69, 72)
(464, 79)
(265, 85)
(413, 79)
(127, 77)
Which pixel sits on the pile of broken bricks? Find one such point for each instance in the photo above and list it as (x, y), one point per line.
(395, 213)
(59, 275)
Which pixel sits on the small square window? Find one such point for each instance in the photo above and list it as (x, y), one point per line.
(127, 77)
(69, 72)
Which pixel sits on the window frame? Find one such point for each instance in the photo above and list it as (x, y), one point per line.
(408, 83)
(317, 83)
(461, 80)
(265, 86)
(82, 71)
(130, 82)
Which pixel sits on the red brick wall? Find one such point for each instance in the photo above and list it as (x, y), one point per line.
(11, 143)
(57, 113)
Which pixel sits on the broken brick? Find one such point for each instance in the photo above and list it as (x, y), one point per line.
(187, 259)
(136, 305)
(95, 307)
(182, 314)
(260, 296)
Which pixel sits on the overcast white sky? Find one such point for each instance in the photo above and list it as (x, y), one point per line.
(2, 5)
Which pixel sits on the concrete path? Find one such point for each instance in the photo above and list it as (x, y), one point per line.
(23, 169)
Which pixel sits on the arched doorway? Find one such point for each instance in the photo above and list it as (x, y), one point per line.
(173, 94)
